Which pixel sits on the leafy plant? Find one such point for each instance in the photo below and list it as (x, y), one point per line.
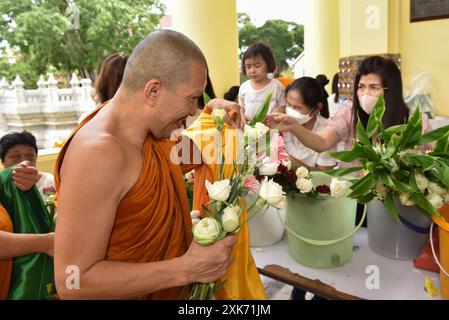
(395, 165)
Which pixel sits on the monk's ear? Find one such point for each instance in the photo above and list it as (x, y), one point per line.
(151, 91)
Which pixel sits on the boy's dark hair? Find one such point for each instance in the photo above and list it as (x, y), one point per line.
(259, 49)
(232, 93)
(311, 92)
(12, 139)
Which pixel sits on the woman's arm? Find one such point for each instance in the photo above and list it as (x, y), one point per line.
(17, 244)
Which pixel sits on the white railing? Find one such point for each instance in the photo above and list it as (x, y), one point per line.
(50, 113)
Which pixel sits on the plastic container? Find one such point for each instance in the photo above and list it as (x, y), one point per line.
(321, 229)
(396, 240)
(265, 228)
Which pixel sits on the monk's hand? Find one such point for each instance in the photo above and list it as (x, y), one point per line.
(281, 121)
(208, 263)
(25, 176)
(235, 115)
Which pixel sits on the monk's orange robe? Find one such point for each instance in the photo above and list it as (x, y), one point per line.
(5, 264)
(153, 220)
(242, 281)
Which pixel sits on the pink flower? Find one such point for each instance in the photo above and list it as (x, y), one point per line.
(251, 184)
(277, 148)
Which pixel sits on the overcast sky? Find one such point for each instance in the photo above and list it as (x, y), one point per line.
(262, 10)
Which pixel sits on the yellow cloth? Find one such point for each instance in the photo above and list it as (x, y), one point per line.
(242, 279)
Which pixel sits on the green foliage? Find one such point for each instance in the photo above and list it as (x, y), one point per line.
(43, 32)
(391, 160)
(286, 39)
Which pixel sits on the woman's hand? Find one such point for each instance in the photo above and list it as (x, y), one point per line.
(281, 121)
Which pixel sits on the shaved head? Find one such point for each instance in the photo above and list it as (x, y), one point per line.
(165, 55)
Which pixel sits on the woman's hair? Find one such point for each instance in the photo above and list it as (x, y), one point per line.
(323, 81)
(232, 93)
(335, 87)
(12, 139)
(259, 49)
(311, 92)
(110, 76)
(396, 111)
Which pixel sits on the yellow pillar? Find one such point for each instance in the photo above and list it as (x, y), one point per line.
(321, 37)
(212, 25)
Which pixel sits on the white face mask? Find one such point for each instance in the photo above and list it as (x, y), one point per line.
(367, 102)
(301, 118)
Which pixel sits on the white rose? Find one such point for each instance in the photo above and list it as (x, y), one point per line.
(421, 181)
(435, 188)
(230, 218)
(446, 196)
(268, 168)
(219, 190)
(381, 191)
(436, 200)
(250, 132)
(272, 193)
(304, 185)
(338, 188)
(405, 200)
(302, 172)
(206, 231)
(218, 115)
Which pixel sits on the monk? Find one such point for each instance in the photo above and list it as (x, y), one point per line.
(124, 228)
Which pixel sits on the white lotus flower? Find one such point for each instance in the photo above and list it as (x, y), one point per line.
(206, 231)
(219, 190)
(230, 218)
(338, 188)
(218, 115)
(421, 181)
(405, 200)
(272, 193)
(304, 185)
(302, 172)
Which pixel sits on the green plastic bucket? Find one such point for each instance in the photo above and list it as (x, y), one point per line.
(320, 230)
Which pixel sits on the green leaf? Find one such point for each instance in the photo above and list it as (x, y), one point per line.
(435, 135)
(261, 114)
(424, 204)
(206, 98)
(363, 187)
(391, 148)
(412, 134)
(342, 172)
(391, 206)
(401, 186)
(361, 134)
(442, 144)
(347, 156)
(375, 119)
(387, 133)
(423, 161)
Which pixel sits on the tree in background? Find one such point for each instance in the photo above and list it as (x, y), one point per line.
(286, 39)
(71, 35)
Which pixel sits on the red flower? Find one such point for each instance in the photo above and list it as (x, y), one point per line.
(323, 189)
(291, 176)
(282, 169)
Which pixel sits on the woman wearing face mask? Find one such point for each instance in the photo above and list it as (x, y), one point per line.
(307, 105)
(375, 76)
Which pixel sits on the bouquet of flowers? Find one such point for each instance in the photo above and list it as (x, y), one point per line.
(394, 164)
(49, 202)
(228, 194)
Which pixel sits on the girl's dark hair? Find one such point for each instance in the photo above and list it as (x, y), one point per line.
(311, 92)
(396, 111)
(209, 90)
(259, 49)
(335, 87)
(232, 93)
(110, 76)
(13, 139)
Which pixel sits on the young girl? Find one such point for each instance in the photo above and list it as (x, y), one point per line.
(375, 76)
(308, 106)
(257, 63)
